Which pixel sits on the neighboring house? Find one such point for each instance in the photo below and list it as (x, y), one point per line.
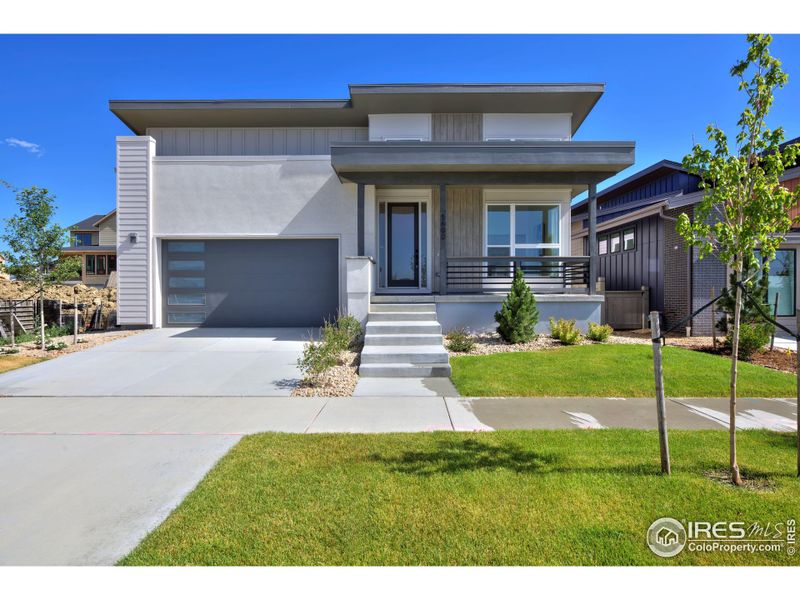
(94, 240)
(638, 246)
(283, 212)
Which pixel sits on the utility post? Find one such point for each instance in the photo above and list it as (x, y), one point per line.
(661, 411)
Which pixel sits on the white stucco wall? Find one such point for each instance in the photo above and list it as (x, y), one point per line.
(257, 197)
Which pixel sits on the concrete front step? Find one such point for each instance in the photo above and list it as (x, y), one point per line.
(403, 327)
(404, 370)
(401, 354)
(375, 317)
(403, 339)
(395, 308)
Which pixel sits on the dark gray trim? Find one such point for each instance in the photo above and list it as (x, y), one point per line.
(577, 99)
(576, 178)
(592, 199)
(360, 219)
(482, 156)
(442, 239)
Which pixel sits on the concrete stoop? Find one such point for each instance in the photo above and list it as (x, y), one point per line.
(404, 340)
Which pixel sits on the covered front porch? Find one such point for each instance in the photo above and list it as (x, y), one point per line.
(454, 223)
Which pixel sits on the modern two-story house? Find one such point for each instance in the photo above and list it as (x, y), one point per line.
(260, 213)
(638, 245)
(94, 241)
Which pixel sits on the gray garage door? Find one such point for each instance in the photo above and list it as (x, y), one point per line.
(249, 283)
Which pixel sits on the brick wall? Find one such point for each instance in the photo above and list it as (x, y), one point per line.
(676, 271)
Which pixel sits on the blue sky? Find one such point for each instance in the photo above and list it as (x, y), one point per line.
(661, 91)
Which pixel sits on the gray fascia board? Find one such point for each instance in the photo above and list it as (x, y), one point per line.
(473, 88)
(481, 156)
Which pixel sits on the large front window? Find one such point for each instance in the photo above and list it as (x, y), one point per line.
(781, 284)
(523, 230)
(518, 229)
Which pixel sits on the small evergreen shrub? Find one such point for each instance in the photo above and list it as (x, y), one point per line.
(599, 333)
(752, 337)
(9, 350)
(459, 340)
(53, 346)
(518, 316)
(565, 331)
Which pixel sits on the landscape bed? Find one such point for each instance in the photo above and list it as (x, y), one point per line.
(619, 370)
(445, 498)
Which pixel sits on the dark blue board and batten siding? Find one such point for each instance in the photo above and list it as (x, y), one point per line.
(643, 266)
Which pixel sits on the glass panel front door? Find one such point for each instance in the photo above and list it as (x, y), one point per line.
(403, 254)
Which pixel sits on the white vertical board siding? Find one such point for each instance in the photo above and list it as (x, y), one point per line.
(251, 141)
(524, 126)
(410, 126)
(134, 215)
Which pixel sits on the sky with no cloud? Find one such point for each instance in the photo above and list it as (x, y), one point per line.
(56, 130)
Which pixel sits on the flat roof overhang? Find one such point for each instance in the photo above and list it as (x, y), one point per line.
(575, 98)
(481, 163)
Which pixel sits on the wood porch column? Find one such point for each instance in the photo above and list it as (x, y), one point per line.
(442, 239)
(592, 238)
(360, 219)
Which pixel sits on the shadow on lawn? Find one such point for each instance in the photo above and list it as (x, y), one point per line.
(453, 456)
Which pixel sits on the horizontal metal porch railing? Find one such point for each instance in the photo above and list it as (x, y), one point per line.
(491, 274)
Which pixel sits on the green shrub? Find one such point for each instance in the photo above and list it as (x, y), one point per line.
(460, 340)
(751, 339)
(342, 334)
(9, 350)
(55, 346)
(52, 331)
(565, 331)
(599, 333)
(20, 338)
(517, 318)
(317, 357)
(352, 327)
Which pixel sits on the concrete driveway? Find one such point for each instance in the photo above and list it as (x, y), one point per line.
(171, 362)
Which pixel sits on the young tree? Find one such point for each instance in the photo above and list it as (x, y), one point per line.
(35, 244)
(745, 209)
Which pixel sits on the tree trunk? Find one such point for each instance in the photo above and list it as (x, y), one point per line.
(737, 312)
(41, 318)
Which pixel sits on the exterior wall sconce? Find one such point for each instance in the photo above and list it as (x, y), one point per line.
(132, 237)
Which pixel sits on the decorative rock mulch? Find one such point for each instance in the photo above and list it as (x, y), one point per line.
(337, 381)
(86, 340)
(492, 343)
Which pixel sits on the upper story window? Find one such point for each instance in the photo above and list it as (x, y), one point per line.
(82, 239)
(400, 127)
(527, 126)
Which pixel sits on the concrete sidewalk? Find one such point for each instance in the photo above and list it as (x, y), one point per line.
(85, 479)
(243, 415)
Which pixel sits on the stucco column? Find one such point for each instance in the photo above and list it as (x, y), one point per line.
(592, 238)
(359, 286)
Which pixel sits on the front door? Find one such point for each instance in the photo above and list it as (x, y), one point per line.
(403, 241)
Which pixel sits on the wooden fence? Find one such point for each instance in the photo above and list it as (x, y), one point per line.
(25, 314)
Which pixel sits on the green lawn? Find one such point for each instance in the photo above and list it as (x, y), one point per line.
(501, 498)
(611, 370)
